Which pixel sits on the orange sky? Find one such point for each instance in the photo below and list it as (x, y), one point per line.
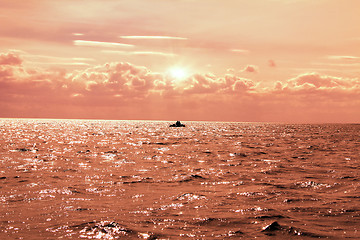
(234, 60)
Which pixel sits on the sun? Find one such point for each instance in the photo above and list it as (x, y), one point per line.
(178, 73)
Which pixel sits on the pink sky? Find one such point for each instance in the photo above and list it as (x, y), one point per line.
(295, 61)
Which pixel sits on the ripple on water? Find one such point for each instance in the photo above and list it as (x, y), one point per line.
(138, 179)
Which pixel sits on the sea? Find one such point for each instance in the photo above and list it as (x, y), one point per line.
(99, 179)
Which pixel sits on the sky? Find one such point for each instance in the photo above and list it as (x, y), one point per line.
(291, 61)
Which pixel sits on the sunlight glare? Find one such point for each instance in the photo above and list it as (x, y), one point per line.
(178, 73)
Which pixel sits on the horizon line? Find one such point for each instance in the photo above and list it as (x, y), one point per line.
(158, 120)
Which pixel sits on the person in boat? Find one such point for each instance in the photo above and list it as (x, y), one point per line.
(177, 124)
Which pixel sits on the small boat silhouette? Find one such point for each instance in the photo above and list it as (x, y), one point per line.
(177, 124)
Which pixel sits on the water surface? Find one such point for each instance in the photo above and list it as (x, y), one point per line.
(143, 180)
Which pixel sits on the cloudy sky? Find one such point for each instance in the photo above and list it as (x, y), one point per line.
(229, 60)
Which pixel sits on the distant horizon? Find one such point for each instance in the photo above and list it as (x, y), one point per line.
(293, 61)
(173, 120)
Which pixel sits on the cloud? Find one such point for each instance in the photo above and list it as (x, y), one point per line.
(57, 61)
(114, 79)
(79, 64)
(343, 57)
(122, 90)
(144, 53)
(312, 97)
(154, 37)
(10, 58)
(119, 81)
(127, 80)
(323, 82)
(52, 58)
(141, 53)
(101, 44)
(337, 61)
(330, 66)
(250, 69)
(242, 51)
(271, 63)
(210, 84)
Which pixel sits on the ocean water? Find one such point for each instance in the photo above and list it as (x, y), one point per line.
(87, 179)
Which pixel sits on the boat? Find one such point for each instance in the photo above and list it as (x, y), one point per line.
(177, 124)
